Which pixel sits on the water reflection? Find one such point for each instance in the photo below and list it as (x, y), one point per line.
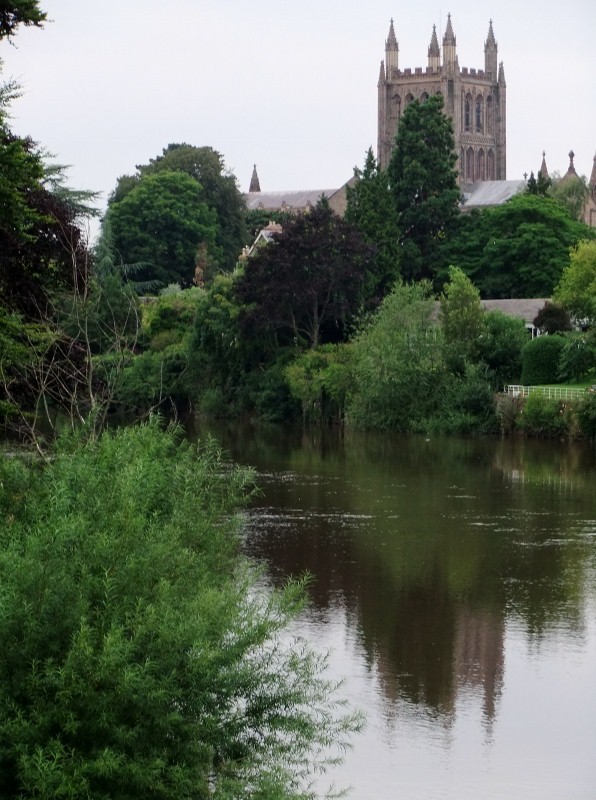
(445, 559)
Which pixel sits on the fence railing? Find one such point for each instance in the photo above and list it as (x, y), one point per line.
(554, 392)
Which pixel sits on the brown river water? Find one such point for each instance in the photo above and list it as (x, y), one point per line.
(454, 586)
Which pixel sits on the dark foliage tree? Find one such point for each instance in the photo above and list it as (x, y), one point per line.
(371, 208)
(162, 222)
(219, 190)
(552, 318)
(19, 12)
(309, 281)
(423, 183)
(538, 186)
(518, 249)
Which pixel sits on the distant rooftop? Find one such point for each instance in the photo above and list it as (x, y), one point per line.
(296, 199)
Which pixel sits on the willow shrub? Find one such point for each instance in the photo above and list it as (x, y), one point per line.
(399, 375)
(138, 659)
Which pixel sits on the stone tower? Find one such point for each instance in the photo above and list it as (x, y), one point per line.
(475, 99)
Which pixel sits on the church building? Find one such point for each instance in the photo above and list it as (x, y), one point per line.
(475, 99)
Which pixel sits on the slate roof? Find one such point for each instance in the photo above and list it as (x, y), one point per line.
(492, 193)
(292, 199)
(526, 308)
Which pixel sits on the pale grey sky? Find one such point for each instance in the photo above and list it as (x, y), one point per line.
(289, 86)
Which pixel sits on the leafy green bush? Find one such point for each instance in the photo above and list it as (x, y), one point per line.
(543, 416)
(540, 360)
(319, 380)
(468, 404)
(578, 357)
(138, 658)
(586, 415)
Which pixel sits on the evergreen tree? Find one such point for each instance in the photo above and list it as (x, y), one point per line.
(423, 184)
(371, 209)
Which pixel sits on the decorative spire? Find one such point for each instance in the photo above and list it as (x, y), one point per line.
(255, 186)
(434, 52)
(391, 43)
(490, 39)
(391, 51)
(449, 56)
(449, 37)
(543, 168)
(382, 73)
(490, 52)
(593, 176)
(571, 168)
(501, 74)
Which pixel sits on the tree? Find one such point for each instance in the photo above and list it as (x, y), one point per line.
(423, 184)
(219, 191)
(308, 282)
(552, 318)
(518, 249)
(139, 659)
(162, 222)
(500, 346)
(538, 186)
(571, 193)
(398, 373)
(461, 315)
(19, 12)
(370, 207)
(576, 290)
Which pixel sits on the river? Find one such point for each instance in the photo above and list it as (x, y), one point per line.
(454, 585)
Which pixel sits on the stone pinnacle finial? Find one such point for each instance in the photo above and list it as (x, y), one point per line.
(543, 168)
(571, 169)
(433, 49)
(449, 37)
(391, 43)
(255, 186)
(490, 39)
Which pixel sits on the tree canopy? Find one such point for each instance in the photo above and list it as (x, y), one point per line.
(423, 183)
(518, 249)
(161, 223)
(309, 281)
(19, 12)
(219, 191)
(576, 290)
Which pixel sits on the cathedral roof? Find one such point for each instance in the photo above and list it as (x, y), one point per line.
(288, 200)
(571, 174)
(491, 193)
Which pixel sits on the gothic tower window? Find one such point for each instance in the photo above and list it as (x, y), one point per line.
(480, 166)
(479, 114)
(468, 113)
(409, 98)
(424, 97)
(490, 115)
(490, 165)
(470, 164)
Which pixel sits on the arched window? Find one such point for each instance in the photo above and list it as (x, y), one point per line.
(470, 164)
(480, 166)
(490, 118)
(424, 97)
(409, 98)
(490, 160)
(468, 113)
(479, 114)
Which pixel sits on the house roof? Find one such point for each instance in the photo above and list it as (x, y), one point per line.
(492, 193)
(526, 308)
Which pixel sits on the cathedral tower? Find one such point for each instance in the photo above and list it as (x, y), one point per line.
(475, 99)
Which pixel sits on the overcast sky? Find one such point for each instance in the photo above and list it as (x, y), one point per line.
(290, 86)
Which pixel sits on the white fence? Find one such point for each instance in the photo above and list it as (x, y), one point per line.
(554, 392)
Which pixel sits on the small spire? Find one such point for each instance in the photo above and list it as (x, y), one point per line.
(593, 175)
(501, 74)
(391, 43)
(543, 168)
(571, 168)
(449, 37)
(255, 186)
(382, 72)
(433, 49)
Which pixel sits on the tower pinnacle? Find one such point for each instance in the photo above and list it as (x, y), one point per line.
(434, 53)
(449, 55)
(255, 186)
